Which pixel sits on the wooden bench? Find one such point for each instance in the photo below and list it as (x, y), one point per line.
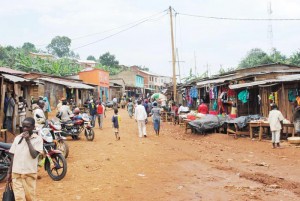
(236, 131)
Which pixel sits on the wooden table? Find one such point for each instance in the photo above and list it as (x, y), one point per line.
(166, 116)
(187, 126)
(262, 125)
(237, 131)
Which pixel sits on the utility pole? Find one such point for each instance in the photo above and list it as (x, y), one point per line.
(173, 57)
(178, 63)
(195, 63)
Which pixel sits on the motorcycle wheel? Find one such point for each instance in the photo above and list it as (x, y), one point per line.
(63, 147)
(3, 172)
(89, 134)
(58, 172)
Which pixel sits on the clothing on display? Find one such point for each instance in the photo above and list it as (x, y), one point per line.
(243, 96)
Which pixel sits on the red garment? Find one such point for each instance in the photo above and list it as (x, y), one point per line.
(175, 110)
(99, 109)
(203, 109)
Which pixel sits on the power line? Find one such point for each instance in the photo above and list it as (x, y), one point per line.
(119, 27)
(135, 25)
(239, 19)
(124, 25)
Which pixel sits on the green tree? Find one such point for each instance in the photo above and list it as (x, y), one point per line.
(255, 57)
(91, 58)
(294, 59)
(277, 57)
(108, 59)
(60, 46)
(29, 47)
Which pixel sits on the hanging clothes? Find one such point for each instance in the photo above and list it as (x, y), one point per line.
(194, 92)
(292, 95)
(243, 96)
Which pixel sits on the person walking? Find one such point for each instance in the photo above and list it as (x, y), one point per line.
(130, 107)
(22, 105)
(276, 123)
(140, 116)
(100, 114)
(116, 123)
(93, 112)
(155, 112)
(23, 170)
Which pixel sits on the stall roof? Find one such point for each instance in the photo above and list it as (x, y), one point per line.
(68, 84)
(12, 71)
(14, 78)
(282, 78)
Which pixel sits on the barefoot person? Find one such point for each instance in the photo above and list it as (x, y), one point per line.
(23, 170)
(276, 123)
(116, 123)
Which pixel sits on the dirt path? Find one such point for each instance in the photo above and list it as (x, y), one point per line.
(173, 166)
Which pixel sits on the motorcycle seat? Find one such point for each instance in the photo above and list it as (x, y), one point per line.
(5, 145)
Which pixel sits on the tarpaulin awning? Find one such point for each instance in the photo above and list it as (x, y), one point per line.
(68, 84)
(14, 78)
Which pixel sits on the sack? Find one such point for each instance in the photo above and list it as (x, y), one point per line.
(8, 194)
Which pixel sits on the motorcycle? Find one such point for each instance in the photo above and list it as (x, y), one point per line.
(58, 139)
(53, 160)
(76, 125)
(5, 159)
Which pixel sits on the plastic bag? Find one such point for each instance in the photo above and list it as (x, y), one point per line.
(8, 194)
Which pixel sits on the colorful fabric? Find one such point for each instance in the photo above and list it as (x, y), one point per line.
(243, 96)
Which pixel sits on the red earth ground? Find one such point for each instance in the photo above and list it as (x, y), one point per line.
(174, 166)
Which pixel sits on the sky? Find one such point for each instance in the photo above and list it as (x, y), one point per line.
(201, 43)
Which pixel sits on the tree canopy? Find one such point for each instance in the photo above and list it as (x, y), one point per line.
(91, 58)
(60, 46)
(29, 47)
(108, 59)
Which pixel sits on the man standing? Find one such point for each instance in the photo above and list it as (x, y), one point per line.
(276, 122)
(93, 112)
(22, 105)
(39, 116)
(23, 170)
(115, 102)
(140, 116)
(100, 114)
(10, 112)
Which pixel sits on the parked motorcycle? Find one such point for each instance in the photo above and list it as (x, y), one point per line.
(5, 159)
(53, 160)
(76, 125)
(59, 140)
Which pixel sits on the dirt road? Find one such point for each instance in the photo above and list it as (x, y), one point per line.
(173, 166)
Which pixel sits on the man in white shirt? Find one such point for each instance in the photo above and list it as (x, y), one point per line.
(39, 116)
(183, 109)
(140, 116)
(276, 122)
(65, 110)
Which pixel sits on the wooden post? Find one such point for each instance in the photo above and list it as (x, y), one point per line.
(3, 90)
(76, 97)
(173, 57)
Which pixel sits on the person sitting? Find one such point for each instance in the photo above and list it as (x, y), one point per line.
(202, 108)
(65, 112)
(183, 109)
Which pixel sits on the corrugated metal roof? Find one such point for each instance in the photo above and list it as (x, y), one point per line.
(74, 85)
(249, 84)
(11, 71)
(282, 78)
(14, 78)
